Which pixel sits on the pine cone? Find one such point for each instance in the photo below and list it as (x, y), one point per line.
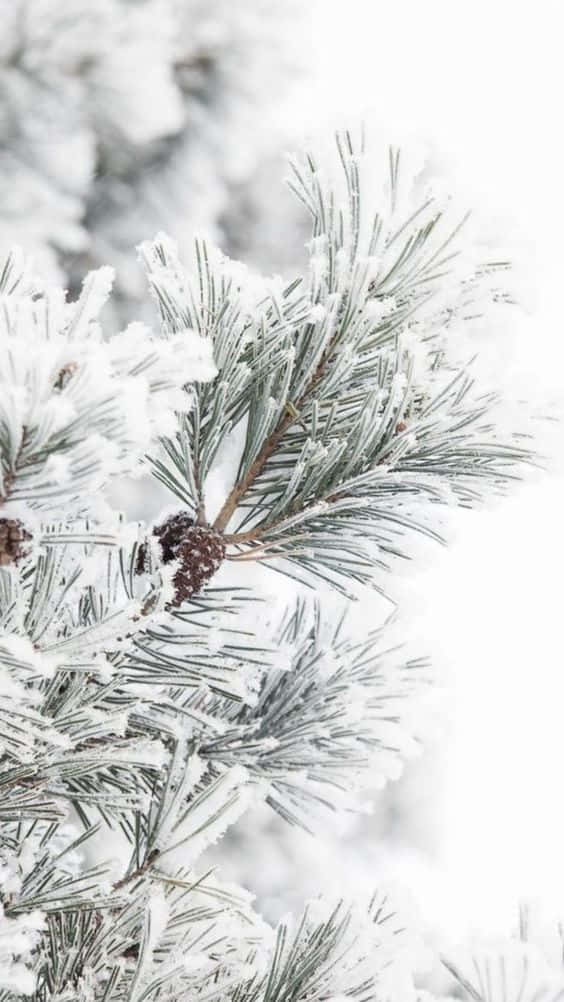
(13, 539)
(199, 549)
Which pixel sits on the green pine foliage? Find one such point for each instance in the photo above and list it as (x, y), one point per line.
(351, 415)
(141, 716)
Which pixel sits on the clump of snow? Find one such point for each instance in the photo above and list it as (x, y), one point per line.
(19, 938)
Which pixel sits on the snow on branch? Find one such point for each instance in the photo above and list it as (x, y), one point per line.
(90, 728)
(336, 721)
(143, 709)
(338, 951)
(337, 391)
(75, 407)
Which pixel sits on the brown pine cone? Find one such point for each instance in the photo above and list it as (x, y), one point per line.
(199, 549)
(14, 538)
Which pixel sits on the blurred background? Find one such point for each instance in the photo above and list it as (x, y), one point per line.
(124, 117)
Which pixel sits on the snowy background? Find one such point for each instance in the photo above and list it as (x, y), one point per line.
(482, 83)
(478, 822)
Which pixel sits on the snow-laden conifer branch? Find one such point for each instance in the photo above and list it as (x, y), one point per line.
(139, 716)
(76, 408)
(98, 685)
(339, 951)
(337, 719)
(181, 933)
(337, 389)
(89, 723)
(80, 718)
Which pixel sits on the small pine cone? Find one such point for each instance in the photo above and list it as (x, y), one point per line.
(199, 550)
(14, 538)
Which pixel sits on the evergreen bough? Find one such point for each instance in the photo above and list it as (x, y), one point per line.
(143, 705)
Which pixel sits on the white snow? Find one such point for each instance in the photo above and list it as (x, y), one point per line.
(482, 88)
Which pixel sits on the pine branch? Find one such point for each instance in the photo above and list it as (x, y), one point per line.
(329, 724)
(334, 951)
(136, 709)
(241, 488)
(69, 414)
(339, 383)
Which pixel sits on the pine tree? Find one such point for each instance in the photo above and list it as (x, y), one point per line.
(147, 698)
(122, 116)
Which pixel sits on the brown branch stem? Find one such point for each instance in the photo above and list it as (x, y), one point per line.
(252, 535)
(255, 469)
(139, 872)
(258, 532)
(269, 448)
(11, 475)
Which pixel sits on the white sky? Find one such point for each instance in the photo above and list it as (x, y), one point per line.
(483, 81)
